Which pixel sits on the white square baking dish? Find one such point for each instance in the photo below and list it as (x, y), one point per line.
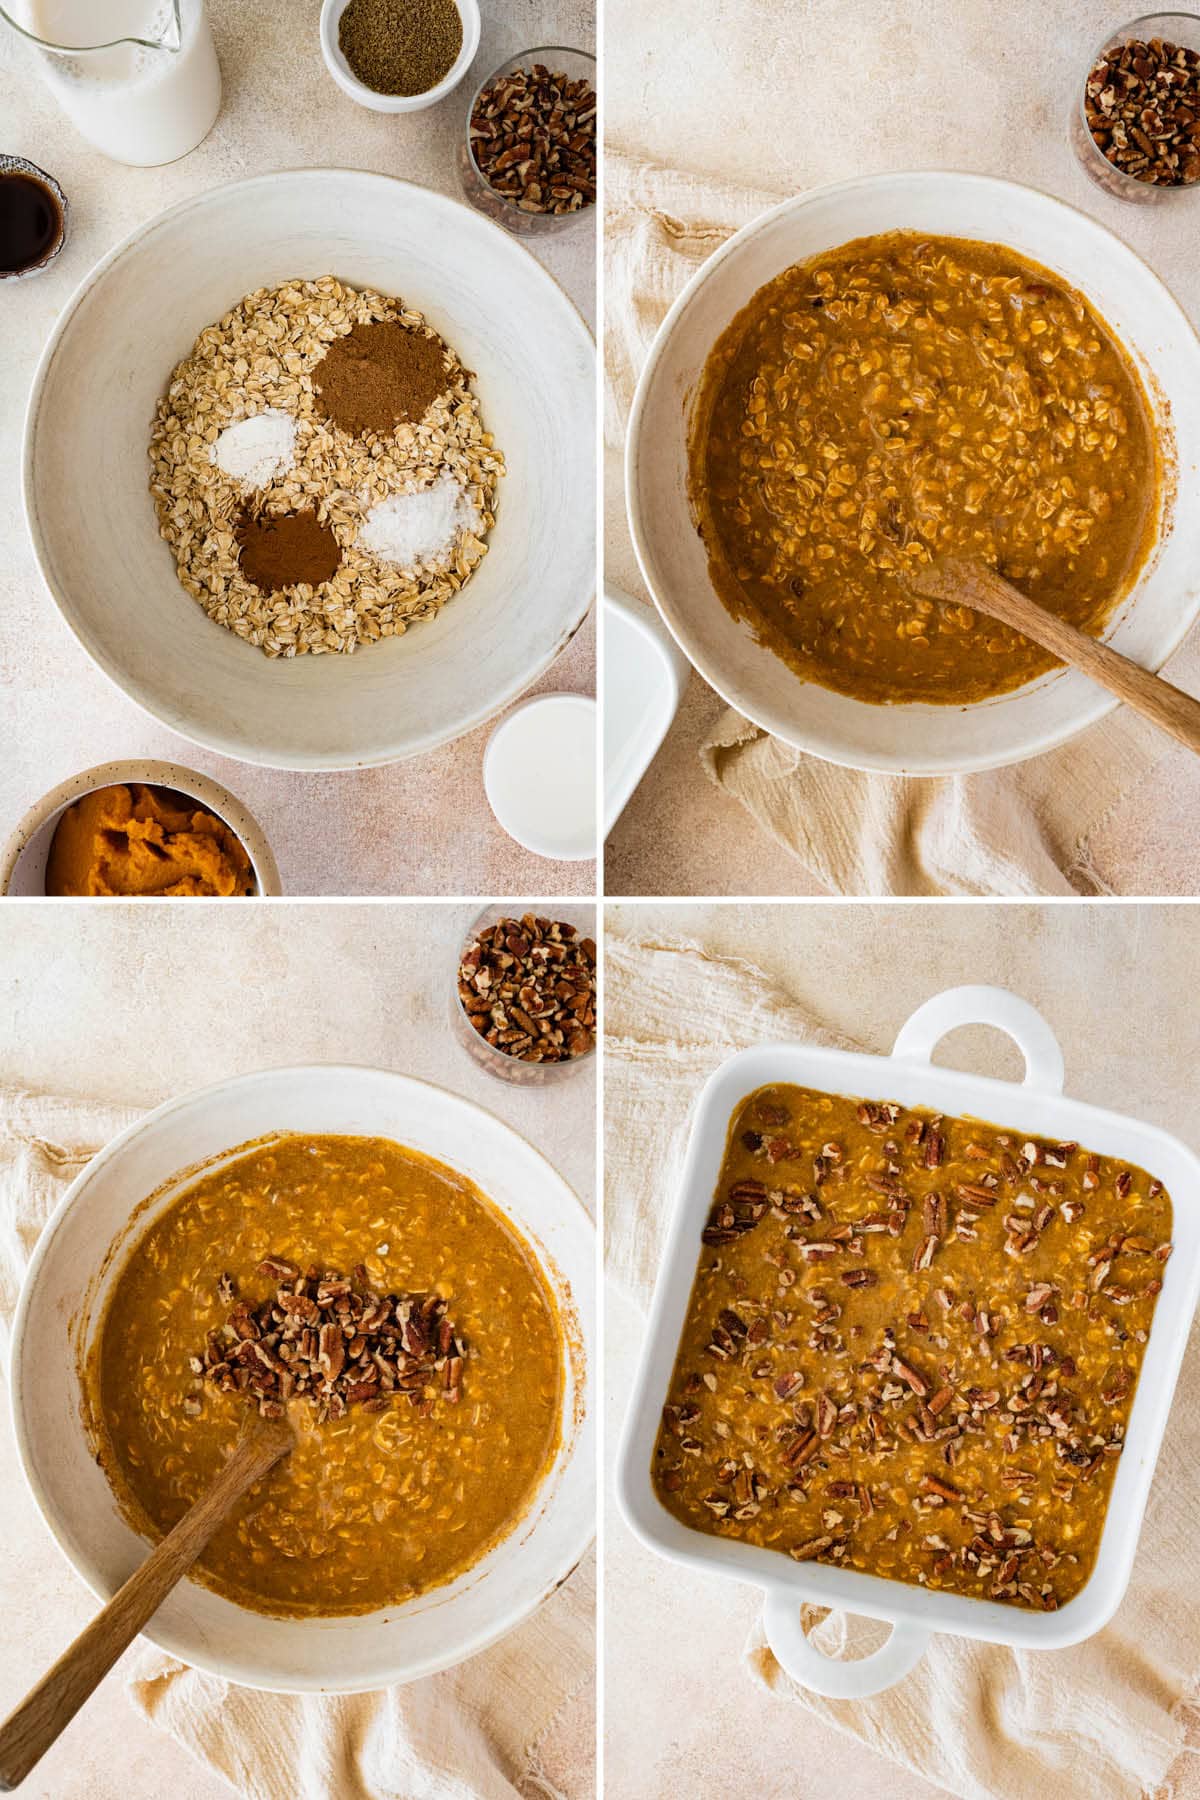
(1038, 1107)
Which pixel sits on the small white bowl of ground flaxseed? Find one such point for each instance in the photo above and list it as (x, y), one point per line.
(399, 55)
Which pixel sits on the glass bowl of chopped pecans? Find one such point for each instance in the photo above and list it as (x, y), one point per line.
(1135, 124)
(528, 158)
(523, 1004)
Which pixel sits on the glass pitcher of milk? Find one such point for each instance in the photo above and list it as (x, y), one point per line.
(138, 78)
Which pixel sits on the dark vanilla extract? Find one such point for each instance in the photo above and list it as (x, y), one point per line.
(31, 222)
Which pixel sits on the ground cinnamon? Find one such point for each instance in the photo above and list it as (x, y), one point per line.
(280, 550)
(380, 375)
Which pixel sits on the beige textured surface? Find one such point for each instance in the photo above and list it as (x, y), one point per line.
(1112, 981)
(421, 827)
(790, 98)
(99, 1007)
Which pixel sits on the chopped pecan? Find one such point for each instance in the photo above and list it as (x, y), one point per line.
(805, 1552)
(541, 969)
(333, 1341)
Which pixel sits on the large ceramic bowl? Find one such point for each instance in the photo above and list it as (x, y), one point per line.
(912, 739)
(63, 1299)
(86, 468)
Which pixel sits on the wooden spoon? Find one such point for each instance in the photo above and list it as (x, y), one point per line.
(28, 1732)
(972, 584)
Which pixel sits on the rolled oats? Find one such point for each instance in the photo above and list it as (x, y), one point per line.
(261, 356)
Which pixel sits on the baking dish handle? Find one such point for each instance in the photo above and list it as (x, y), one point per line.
(834, 1678)
(919, 1037)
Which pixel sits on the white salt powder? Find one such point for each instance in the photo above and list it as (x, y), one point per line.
(255, 451)
(407, 529)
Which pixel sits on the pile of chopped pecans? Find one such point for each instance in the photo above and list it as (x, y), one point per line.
(533, 136)
(528, 986)
(1142, 104)
(332, 1340)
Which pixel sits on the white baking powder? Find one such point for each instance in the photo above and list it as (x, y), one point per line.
(255, 451)
(409, 529)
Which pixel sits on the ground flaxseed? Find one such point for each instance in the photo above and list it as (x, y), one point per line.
(400, 46)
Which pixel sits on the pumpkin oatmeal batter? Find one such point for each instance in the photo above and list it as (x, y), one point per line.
(390, 1491)
(912, 1346)
(906, 397)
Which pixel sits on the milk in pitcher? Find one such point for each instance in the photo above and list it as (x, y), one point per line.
(142, 103)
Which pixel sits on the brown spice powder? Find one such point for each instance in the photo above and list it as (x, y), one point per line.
(380, 375)
(281, 550)
(400, 46)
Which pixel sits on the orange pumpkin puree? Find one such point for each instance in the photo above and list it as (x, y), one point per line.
(141, 840)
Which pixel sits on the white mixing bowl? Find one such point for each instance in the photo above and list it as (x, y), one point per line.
(63, 1299)
(911, 739)
(86, 468)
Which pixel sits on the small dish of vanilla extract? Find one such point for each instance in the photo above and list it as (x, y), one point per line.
(33, 218)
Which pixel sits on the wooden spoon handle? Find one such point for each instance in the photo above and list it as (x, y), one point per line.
(981, 588)
(29, 1731)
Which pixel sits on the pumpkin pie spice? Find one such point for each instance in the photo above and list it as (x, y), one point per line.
(380, 375)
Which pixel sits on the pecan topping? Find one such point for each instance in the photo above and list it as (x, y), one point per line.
(814, 1546)
(827, 1416)
(333, 1341)
(975, 1194)
(907, 1373)
(933, 1484)
(1142, 105)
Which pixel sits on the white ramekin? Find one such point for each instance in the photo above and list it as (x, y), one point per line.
(63, 1298)
(347, 80)
(519, 756)
(1038, 1107)
(24, 857)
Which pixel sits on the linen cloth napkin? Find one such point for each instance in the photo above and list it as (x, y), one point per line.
(1103, 1720)
(1022, 830)
(476, 1732)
